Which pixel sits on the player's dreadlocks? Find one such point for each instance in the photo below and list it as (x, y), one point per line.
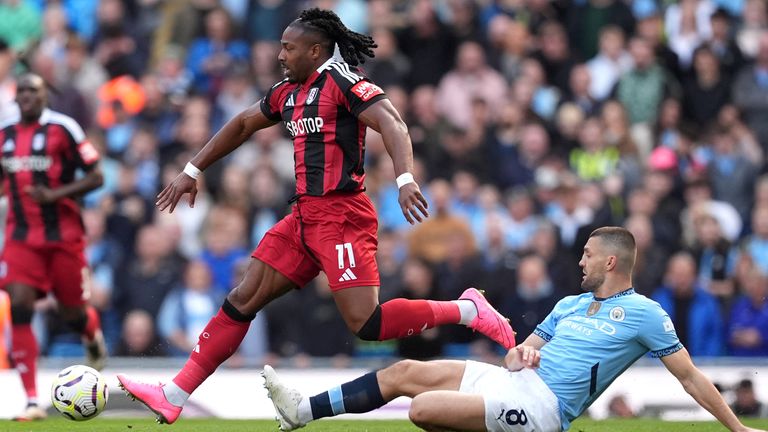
(354, 47)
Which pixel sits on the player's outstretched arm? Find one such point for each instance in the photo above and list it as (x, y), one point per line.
(234, 133)
(703, 391)
(384, 119)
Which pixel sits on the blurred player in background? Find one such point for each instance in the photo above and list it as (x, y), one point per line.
(44, 236)
(326, 104)
(586, 342)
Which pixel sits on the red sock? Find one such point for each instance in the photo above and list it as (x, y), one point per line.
(93, 324)
(218, 341)
(402, 318)
(24, 354)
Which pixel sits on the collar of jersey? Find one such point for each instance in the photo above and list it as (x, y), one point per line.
(627, 291)
(318, 71)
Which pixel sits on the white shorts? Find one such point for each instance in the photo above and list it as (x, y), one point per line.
(514, 401)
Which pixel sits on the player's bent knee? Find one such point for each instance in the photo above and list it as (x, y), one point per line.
(21, 314)
(422, 413)
(371, 330)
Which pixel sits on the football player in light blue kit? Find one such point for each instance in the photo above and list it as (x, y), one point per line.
(571, 358)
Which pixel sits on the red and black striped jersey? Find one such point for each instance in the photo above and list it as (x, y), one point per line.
(321, 117)
(47, 152)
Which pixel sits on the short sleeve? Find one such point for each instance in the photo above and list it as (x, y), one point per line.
(546, 329)
(83, 152)
(272, 101)
(359, 92)
(657, 333)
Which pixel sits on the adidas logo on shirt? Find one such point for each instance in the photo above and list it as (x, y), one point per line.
(290, 101)
(347, 276)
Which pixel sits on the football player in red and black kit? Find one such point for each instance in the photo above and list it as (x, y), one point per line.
(44, 249)
(326, 105)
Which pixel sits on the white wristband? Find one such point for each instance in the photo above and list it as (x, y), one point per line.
(192, 171)
(403, 179)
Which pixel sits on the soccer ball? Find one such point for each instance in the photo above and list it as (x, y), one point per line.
(79, 393)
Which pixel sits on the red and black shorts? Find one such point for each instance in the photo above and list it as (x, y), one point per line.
(59, 268)
(334, 233)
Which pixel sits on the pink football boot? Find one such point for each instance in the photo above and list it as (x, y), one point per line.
(152, 396)
(488, 321)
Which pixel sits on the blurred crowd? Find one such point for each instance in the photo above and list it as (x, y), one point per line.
(533, 122)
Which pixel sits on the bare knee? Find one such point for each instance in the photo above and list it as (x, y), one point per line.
(422, 414)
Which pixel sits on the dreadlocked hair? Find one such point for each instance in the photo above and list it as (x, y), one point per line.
(354, 47)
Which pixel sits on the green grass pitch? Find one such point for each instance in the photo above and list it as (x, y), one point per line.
(218, 425)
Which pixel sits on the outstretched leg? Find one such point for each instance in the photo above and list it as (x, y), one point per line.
(400, 318)
(218, 341)
(366, 393)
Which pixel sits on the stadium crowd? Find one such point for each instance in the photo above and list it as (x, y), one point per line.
(533, 122)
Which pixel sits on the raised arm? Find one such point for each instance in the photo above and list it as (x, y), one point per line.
(384, 119)
(703, 391)
(234, 133)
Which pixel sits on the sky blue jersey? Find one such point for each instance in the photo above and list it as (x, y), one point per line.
(591, 341)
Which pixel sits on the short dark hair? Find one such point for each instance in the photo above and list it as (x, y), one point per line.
(354, 47)
(620, 242)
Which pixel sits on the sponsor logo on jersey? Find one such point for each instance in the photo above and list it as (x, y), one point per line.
(9, 146)
(365, 90)
(38, 141)
(617, 314)
(27, 163)
(88, 152)
(587, 325)
(304, 126)
(312, 95)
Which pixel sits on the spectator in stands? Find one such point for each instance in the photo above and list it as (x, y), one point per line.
(554, 54)
(723, 45)
(578, 91)
(429, 240)
(594, 159)
(753, 26)
(694, 311)
(748, 326)
(642, 89)
(225, 240)
(532, 298)
(472, 77)
(81, 70)
(209, 58)
(139, 338)
(7, 81)
(148, 277)
(20, 24)
(715, 256)
(707, 91)
(750, 92)
(427, 43)
(611, 62)
(586, 20)
(687, 25)
(651, 258)
(747, 404)
(756, 244)
(731, 171)
(389, 66)
(187, 308)
(517, 160)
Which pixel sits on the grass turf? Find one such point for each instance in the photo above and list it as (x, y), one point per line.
(218, 425)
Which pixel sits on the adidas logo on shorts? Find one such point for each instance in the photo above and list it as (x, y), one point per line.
(347, 276)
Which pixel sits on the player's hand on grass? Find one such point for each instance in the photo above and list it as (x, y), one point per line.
(522, 356)
(170, 196)
(41, 194)
(412, 203)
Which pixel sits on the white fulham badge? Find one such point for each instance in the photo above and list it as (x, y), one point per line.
(312, 95)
